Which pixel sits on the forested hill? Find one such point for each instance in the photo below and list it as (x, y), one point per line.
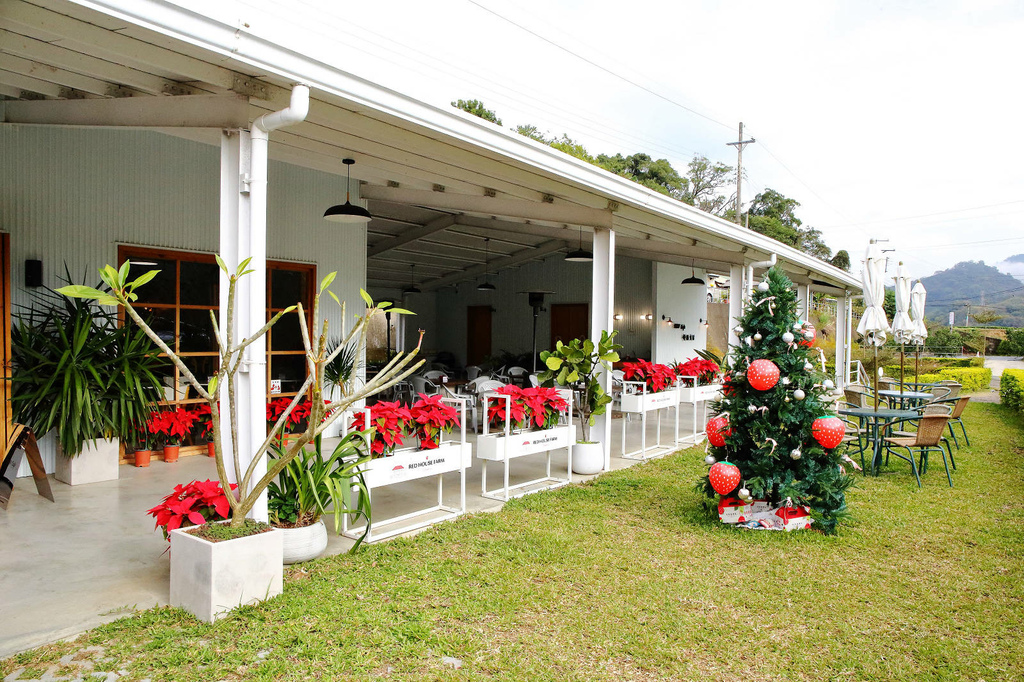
(988, 291)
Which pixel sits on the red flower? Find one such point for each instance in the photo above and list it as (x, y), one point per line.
(389, 421)
(192, 504)
(432, 417)
(496, 410)
(173, 425)
(657, 377)
(704, 370)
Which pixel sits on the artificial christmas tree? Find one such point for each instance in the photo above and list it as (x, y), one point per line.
(771, 423)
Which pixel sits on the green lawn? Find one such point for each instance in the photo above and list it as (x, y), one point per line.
(626, 578)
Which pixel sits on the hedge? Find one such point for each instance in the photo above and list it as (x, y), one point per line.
(1011, 389)
(972, 379)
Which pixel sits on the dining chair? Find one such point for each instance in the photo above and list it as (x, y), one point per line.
(518, 375)
(856, 396)
(957, 407)
(534, 381)
(435, 376)
(939, 392)
(421, 384)
(954, 387)
(855, 431)
(927, 438)
(472, 372)
(471, 404)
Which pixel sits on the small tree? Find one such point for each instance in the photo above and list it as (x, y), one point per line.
(578, 364)
(318, 356)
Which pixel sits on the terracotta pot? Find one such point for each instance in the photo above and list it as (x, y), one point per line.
(210, 451)
(171, 453)
(142, 457)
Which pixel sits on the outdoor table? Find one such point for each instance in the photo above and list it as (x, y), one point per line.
(904, 397)
(875, 419)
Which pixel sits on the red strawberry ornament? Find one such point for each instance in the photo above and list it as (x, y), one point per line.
(763, 374)
(717, 429)
(724, 477)
(828, 431)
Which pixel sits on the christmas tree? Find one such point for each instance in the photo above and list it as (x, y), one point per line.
(775, 422)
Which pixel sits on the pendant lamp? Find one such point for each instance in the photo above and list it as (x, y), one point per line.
(347, 212)
(580, 255)
(412, 288)
(693, 278)
(486, 285)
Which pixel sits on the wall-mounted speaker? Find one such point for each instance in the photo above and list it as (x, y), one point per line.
(33, 273)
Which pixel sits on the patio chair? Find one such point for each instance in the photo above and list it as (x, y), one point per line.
(518, 375)
(939, 392)
(855, 431)
(472, 372)
(435, 376)
(402, 392)
(856, 396)
(471, 404)
(421, 384)
(954, 387)
(534, 381)
(957, 407)
(928, 437)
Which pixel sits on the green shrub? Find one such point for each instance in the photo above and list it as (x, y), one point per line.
(929, 378)
(1013, 344)
(971, 379)
(976, 362)
(1011, 389)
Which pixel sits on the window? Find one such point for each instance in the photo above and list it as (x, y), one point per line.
(178, 302)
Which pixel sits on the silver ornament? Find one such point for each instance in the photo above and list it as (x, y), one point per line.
(737, 330)
(763, 286)
(799, 394)
(808, 367)
(744, 494)
(709, 460)
(751, 409)
(828, 384)
(757, 336)
(785, 381)
(808, 335)
(795, 453)
(788, 337)
(787, 398)
(797, 325)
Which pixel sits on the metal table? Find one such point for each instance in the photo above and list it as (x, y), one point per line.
(875, 419)
(904, 397)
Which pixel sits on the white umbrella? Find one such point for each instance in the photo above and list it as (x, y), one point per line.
(903, 327)
(917, 296)
(873, 324)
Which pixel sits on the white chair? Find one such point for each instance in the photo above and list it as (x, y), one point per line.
(534, 381)
(500, 374)
(518, 375)
(436, 376)
(488, 385)
(472, 372)
(422, 385)
(471, 405)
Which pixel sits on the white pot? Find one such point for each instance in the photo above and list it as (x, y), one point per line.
(96, 462)
(209, 579)
(305, 543)
(587, 458)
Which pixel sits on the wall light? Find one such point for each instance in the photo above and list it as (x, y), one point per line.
(648, 316)
(617, 316)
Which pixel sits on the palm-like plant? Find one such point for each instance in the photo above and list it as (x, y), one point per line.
(340, 372)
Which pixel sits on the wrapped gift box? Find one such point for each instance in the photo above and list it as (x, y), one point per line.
(733, 510)
(795, 518)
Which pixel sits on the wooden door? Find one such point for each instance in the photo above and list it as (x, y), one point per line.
(478, 333)
(569, 321)
(6, 435)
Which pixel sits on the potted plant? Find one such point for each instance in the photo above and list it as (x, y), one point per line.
(191, 504)
(204, 427)
(648, 386)
(697, 379)
(214, 569)
(310, 486)
(172, 426)
(144, 443)
(509, 413)
(389, 421)
(80, 375)
(432, 417)
(578, 365)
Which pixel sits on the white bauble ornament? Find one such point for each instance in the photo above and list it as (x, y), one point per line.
(828, 384)
(737, 330)
(785, 381)
(763, 286)
(809, 335)
(744, 494)
(787, 398)
(788, 337)
(799, 394)
(808, 367)
(751, 409)
(709, 460)
(798, 325)
(795, 453)
(757, 336)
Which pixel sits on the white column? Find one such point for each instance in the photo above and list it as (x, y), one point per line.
(602, 308)
(243, 235)
(803, 301)
(736, 289)
(842, 337)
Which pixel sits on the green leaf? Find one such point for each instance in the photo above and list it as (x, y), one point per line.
(334, 296)
(366, 298)
(242, 266)
(144, 278)
(402, 311)
(326, 282)
(81, 291)
(553, 363)
(212, 387)
(221, 264)
(122, 274)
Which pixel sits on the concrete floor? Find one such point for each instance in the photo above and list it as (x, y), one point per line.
(93, 556)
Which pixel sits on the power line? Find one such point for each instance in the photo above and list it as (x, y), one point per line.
(930, 215)
(942, 246)
(602, 68)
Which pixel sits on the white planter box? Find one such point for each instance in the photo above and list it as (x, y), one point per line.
(648, 402)
(409, 465)
(209, 579)
(587, 458)
(699, 394)
(496, 447)
(97, 462)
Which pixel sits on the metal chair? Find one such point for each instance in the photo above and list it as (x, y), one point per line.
(954, 387)
(928, 437)
(855, 431)
(957, 407)
(939, 392)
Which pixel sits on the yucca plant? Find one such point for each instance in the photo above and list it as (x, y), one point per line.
(340, 372)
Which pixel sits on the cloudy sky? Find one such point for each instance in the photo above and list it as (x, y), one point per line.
(896, 120)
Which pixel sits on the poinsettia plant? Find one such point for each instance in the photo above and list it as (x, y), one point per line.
(432, 417)
(389, 422)
(192, 504)
(658, 377)
(204, 421)
(544, 406)
(173, 425)
(705, 371)
(496, 410)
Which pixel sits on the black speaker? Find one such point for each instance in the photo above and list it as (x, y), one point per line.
(33, 273)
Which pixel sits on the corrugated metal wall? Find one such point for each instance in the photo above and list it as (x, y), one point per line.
(72, 195)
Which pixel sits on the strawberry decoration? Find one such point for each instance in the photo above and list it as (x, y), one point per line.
(763, 374)
(724, 477)
(717, 429)
(828, 431)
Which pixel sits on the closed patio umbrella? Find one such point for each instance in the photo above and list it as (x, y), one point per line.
(917, 297)
(873, 324)
(903, 327)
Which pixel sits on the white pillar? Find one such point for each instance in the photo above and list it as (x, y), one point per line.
(736, 290)
(803, 301)
(243, 235)
(602, 308)
(842, 337)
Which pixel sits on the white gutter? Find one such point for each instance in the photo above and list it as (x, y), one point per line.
(750, 272)
(236, 43)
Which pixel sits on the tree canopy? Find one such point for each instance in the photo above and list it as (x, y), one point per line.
(477, 108)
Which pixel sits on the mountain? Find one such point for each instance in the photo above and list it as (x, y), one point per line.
(981, 286)
(1014, 265)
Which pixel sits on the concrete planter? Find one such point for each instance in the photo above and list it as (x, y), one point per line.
(305, 543)
(209, 579)
(587, 458)
(97, 462)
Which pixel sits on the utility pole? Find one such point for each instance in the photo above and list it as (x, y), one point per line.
(739, 144)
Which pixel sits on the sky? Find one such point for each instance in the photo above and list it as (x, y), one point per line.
(890, 120)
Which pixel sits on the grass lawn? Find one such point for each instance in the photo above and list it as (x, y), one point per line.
(626, 578)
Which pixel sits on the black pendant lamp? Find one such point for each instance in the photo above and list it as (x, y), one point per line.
(693, 278)
(580, 255)
(486, 285)
(412, 288)
(347, 212)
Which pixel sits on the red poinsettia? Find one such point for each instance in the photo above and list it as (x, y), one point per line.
(496, 408)
(432, 417)
(192, 504)
(204, 420)
(658, 377)
(704, 370)
(389, 421)
(173, 425)
(544, 405)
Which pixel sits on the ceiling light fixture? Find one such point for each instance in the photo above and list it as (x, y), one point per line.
(486, 285)
(412, 288)
(347, 212)
(580, 255)
(693, 278)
